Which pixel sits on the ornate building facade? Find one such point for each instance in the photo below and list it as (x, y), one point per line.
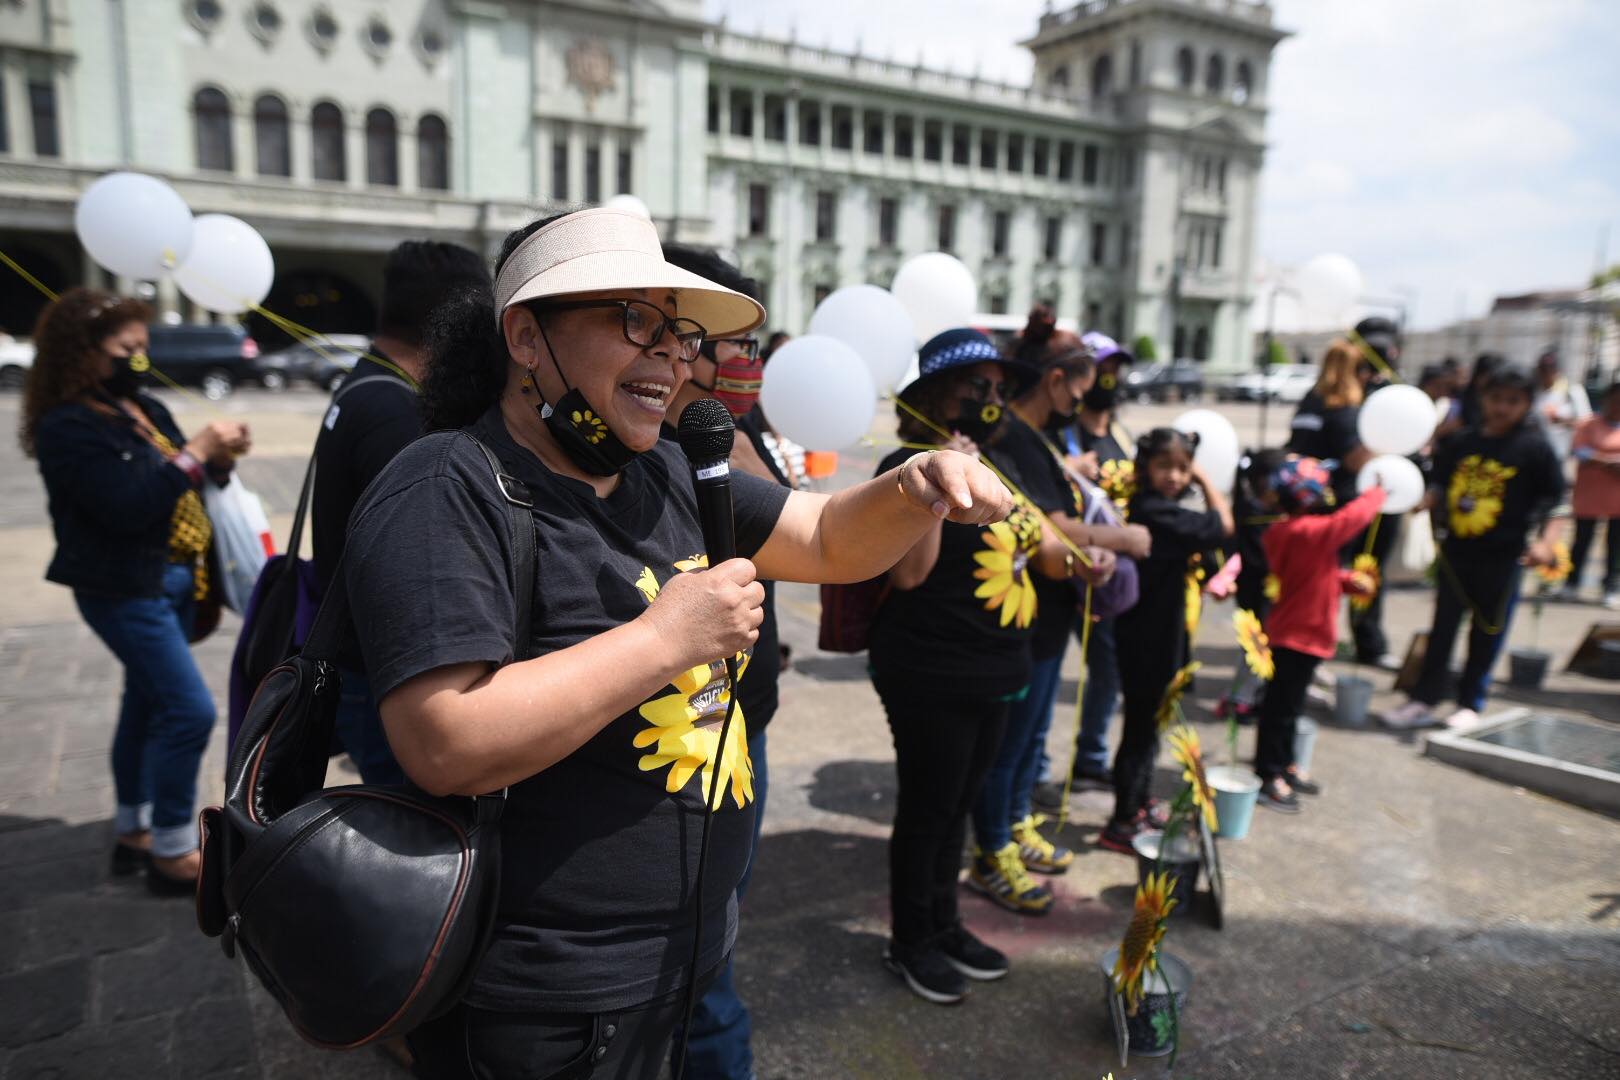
(1120, 185)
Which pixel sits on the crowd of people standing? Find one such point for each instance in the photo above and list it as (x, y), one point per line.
(1016, 513)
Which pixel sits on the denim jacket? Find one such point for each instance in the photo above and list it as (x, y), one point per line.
(111, 497)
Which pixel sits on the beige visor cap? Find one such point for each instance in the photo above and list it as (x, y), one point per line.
(611, 250)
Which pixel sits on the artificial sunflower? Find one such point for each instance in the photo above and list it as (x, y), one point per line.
(1118, 480)
(1562, 566)
(1272, 587)
(590, 425)
(1139, 949)
(1474, 496)
(1367, 577)
(684, 734)
(1172, 694)
(1195, 599)
(1256, 646)
(1004, 569)
(1185, 749)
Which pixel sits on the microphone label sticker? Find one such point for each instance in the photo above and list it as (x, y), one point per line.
(715, 471)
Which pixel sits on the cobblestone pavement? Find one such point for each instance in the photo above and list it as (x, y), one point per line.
(1417, 920)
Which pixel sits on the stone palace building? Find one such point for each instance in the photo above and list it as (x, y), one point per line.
(1120, 185)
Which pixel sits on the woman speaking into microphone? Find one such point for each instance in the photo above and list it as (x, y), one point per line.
(607, 738)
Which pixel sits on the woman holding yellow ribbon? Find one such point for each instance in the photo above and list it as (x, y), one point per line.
(132, 543)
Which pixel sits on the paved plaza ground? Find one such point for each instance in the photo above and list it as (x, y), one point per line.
(1416, 921)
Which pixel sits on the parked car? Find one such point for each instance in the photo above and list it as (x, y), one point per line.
(324, 363)
(214, 358)
(1249, 386)
(1182, 380)
(1290, 382)
(16, 357)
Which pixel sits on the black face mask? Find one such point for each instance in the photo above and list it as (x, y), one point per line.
(1099, 398)
(124, 380)
(981, 420)
(581, 430)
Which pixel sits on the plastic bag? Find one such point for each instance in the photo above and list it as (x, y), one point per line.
(1415, 552)
(242, 539)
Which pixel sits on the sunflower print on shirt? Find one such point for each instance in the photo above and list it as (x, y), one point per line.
(1118, 479)
(683, 732)
(1004, 566)
(1474, 496)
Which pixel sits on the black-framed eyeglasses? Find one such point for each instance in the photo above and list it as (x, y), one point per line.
(747, 348)
(644, 324)
(983, 386)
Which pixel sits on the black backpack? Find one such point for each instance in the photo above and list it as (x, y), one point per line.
(364, 910)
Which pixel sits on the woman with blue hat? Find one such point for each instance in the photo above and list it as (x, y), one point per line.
(949, 651)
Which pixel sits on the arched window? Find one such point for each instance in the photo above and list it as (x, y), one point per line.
(382, 149)
(211, 115)
(326, 130)
(271, 150)
(1102, 76)
(1200, 343)
(1060, 77)
(432, 154)
(1215, 73)
(1242, 82)
(1186, 67)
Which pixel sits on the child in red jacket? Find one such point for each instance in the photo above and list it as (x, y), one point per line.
(1303, 624)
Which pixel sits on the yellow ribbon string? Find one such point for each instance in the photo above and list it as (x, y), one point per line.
(1073, 548)
(1372, 356)
(1372, 533)
(1478, 617)
(26, 276)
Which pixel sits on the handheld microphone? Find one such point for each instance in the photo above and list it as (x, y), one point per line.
(706, 433)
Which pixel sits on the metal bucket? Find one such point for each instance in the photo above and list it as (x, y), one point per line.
(1351, 696)
(1147, 1038)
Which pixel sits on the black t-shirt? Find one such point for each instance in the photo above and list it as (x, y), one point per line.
(600, 850)
(967, 626)
(757, 690)
(1049, 488)
(1158, 622)
(1327, 434)
(364, 428)
(1492, 491)
(1116, 470)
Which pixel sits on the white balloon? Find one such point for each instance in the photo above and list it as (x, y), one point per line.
(630, 204)
(873, 323)
(230, 268)
(1218, 450)
(818, 392)
(938, 291)
(134, 225)
(1328, 286)
(1402, 481)
(1396, 420)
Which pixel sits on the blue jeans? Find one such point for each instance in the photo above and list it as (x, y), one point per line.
(358, 729)
(1102, 698)
(167, 712)
(720, 1047)
(993, 809)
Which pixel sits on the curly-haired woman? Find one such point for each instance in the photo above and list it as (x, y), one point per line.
(132, 541)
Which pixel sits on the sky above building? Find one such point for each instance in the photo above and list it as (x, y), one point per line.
(1455, 149)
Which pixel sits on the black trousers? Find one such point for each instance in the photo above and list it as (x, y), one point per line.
(1485, 591)
(1367, 626)
(1279, 711)
(478, 1044)
(943, 746)
(1145, 669)
(1585, 533)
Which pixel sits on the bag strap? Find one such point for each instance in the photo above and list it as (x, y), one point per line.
(295, 541)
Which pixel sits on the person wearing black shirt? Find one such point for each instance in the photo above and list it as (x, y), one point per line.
(1152, 636)
(1493, 487)
(372, 417)
(719, 1045)
(608, 741)
(949, 652)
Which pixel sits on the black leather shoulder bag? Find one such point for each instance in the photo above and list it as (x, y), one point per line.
(364, 910)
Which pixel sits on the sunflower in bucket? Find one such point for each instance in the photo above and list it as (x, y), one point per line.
(1139, 949)
(1189, 754)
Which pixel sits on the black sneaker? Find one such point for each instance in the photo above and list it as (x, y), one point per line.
(1118, 835)
(1094, 779)
(927, 970)
(1272, 795)
(1303, 786)
(1047, 795)
(971, 956)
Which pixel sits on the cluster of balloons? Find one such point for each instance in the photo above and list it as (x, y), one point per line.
(139, 227)
(821, 389)
(1394, 422)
